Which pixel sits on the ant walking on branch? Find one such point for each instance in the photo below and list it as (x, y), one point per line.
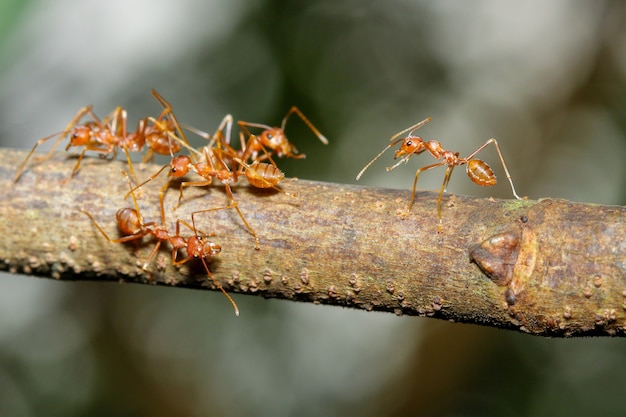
(219, 161)
(107, 135)
(208, 164)
(259, 174)
(274, 138)
(213, 167)
(477, 170)
(132, 226)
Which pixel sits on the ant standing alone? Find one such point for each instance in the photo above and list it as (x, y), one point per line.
(477, 170)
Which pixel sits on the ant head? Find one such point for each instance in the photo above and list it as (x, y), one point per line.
(180, 166)
(198, 247)
(410, 145)
(80, 135)
(276, 140)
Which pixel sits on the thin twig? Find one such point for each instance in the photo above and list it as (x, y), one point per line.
(548, 267)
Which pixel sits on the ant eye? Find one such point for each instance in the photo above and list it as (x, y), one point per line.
(174, 169)
(409, 143)
(196, 256)
(270, 136)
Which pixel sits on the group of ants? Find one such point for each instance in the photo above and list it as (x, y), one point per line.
(220, 160)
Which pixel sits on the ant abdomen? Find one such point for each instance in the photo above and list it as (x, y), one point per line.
(128, 221)
(161, 143)
(262, 175)
(481, 173)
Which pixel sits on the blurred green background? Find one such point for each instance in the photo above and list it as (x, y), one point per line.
(547, 79)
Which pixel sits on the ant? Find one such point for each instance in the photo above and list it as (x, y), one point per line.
(477, 170)
(274, 138)
(259, 174)
(182, 164)
(107, 135)
(132, 226)
(210, 165)
(159, 136)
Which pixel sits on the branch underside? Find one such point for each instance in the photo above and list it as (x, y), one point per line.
(547, 267)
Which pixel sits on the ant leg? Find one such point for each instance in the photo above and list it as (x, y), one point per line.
(444, 186)
(61, 136)
(119, 120)
(39, 142)
(242, 125)
(506, 170)
(297, 111)
(218, 285)
(192, 228)
(251, 148)
(167, 111)
(417, 173)
(153, 176)
(113, 119)
(135, 203)
(189, 184)
(182, 142)
(80, 159)
(235, 205)
(75, 170)
(130, 165)
(119, 240)
(210, 275)
(146, 264)
(226, 123)
(149, 156)
(176, 262)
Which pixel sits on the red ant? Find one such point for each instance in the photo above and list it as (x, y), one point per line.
(275, 139)
(212, 166)
(131, 224)
(159, 136)
(259, 174)
(105, 136)
(182, 164)
(477, 170)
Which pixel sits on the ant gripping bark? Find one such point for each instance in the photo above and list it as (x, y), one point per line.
(477, 170)
(132, 226)
(107, 135)
(259, 174)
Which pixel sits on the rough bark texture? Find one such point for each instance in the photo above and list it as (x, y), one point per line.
(547, 267)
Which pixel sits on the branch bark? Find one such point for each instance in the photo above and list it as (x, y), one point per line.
(547, 267)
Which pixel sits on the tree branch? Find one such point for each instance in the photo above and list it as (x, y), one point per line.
(548, 267)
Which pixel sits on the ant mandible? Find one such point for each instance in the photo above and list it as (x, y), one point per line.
(131, 224)
(477, 170)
